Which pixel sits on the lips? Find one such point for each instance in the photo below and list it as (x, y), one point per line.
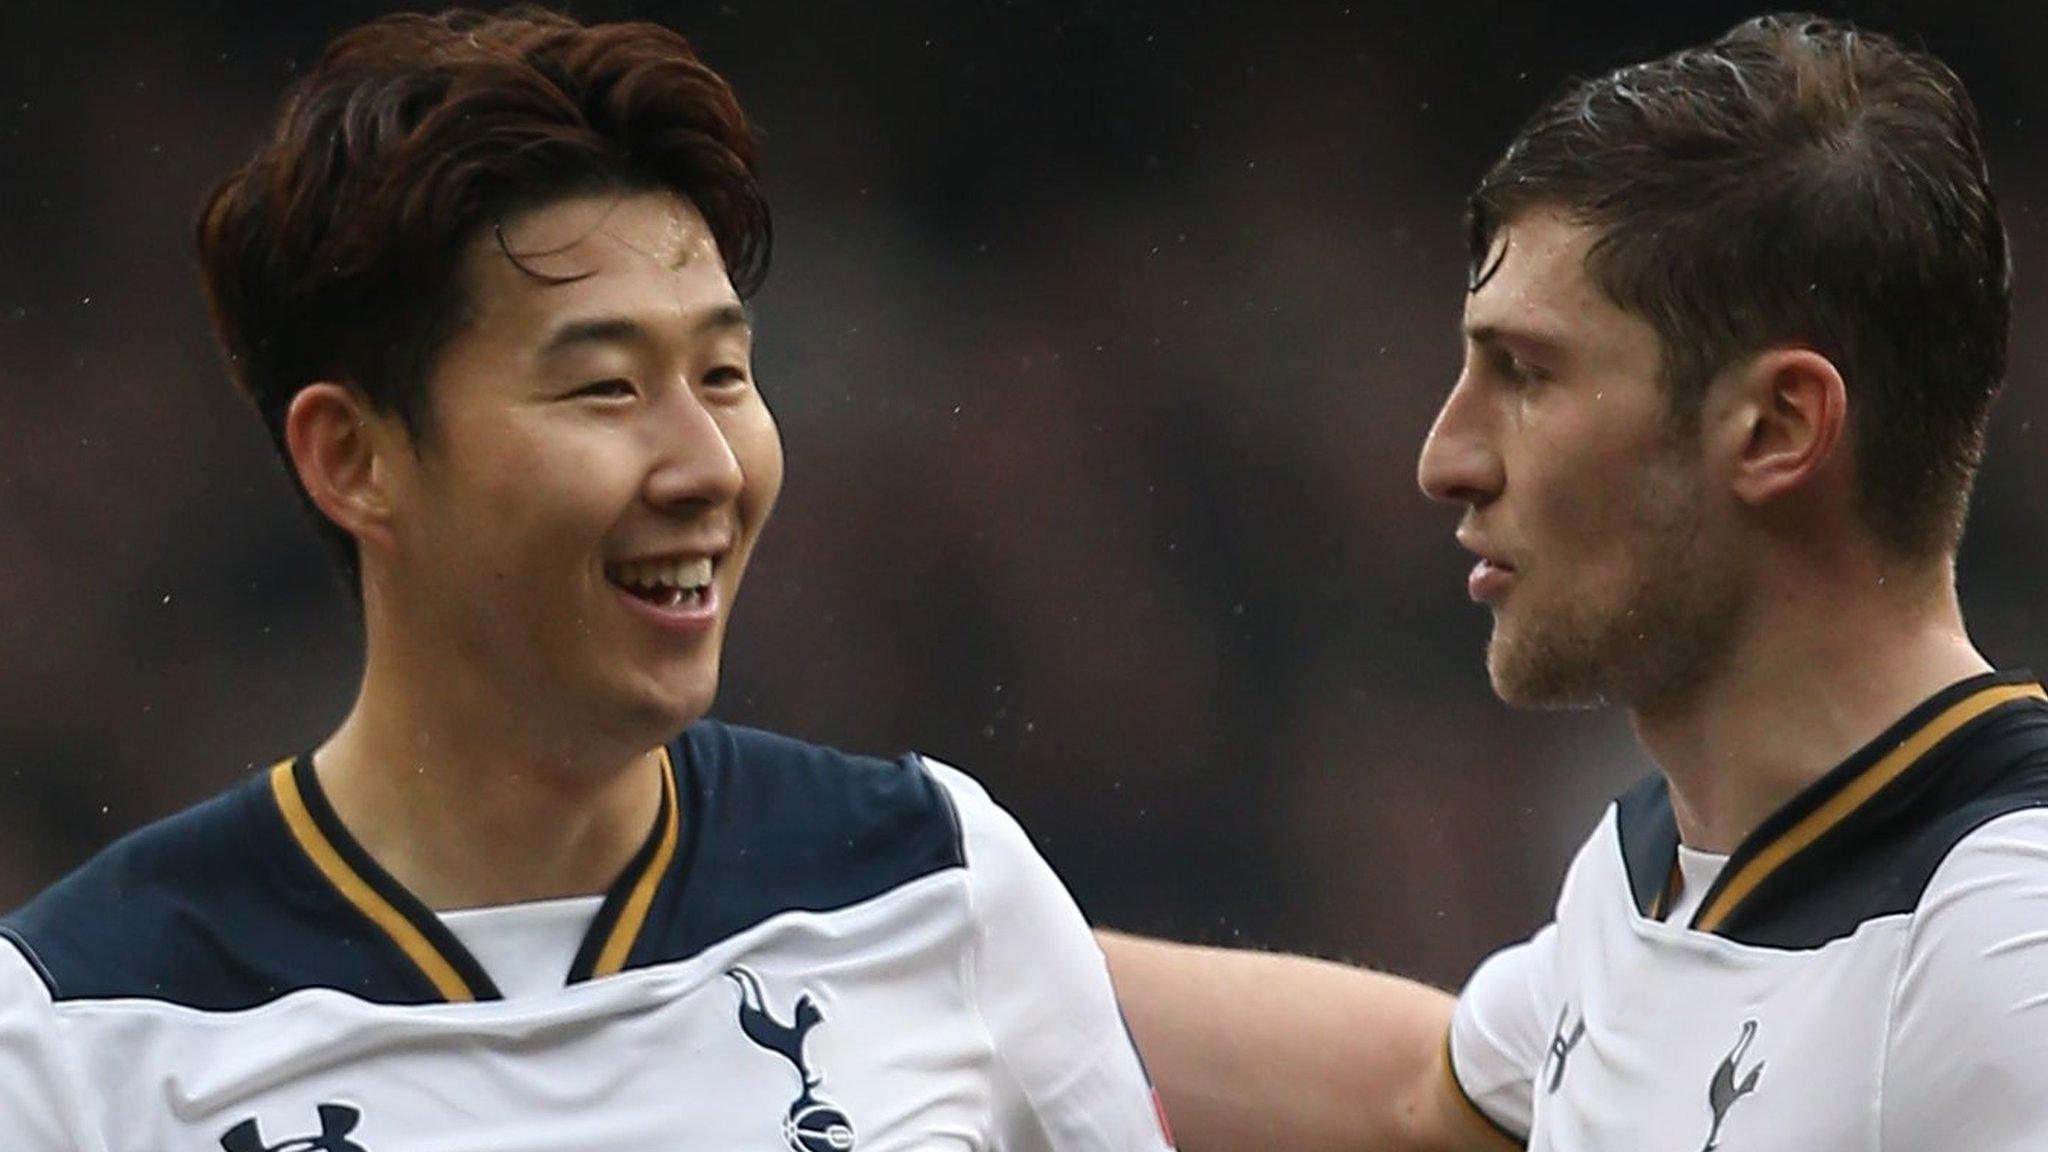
(676, 590)
(1489, 580)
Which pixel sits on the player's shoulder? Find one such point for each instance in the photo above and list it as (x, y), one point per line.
(1991, 791)
(135, 918)
(822, 827)
(782, 786)
(778, 824)
(1863, 842)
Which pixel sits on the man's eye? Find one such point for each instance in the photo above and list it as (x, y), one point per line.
(617, 388)
(725, 376)
(1519, 371)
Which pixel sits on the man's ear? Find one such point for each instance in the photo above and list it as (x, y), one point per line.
(343, 452)
(1787, 420)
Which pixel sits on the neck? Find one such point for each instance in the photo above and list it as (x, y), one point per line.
(467, 808)
(1807, 681)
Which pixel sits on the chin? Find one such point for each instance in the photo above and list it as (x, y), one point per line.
(655, 711)
(678, 711)
(1541, 673)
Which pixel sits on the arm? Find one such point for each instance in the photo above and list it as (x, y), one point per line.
(1256, 1051)
(1067, 1077)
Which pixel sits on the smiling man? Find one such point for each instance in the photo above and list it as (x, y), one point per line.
(484, 285)
(1736, 318)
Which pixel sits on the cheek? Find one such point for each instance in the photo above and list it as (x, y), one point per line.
(1599, 507)
(533, 485)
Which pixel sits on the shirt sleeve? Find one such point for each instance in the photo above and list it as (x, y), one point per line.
(1499, 1034)
(37, 1101)
(1966, 1065)
(1068, 1076)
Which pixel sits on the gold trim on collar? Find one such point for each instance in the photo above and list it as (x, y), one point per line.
(633, 915)
(417, 948)
(1837, 807)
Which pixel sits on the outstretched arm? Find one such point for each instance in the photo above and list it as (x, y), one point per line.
(1256, 1050)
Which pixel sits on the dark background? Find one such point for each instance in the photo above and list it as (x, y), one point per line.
(1102, 338)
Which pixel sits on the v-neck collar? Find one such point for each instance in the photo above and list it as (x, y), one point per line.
(418, 934)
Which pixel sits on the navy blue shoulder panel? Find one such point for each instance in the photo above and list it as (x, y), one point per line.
(214, 908)
(771, 824)
(1879, 860)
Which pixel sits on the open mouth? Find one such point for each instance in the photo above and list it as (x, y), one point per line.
(673, 584)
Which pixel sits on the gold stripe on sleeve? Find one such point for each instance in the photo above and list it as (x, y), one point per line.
(1484, 1129)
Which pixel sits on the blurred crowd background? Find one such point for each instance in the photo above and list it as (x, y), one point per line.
(1102, 338)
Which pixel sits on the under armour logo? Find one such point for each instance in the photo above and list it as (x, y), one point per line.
(813, 1124)
(336, 1122)
(1724, 1091)
(1561, 1046)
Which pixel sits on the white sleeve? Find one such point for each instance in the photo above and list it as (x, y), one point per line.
(37, 1105)
(1499, 1032)
(1966, 1065)
(1068, 1076)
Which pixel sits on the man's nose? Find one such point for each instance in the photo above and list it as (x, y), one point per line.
(695, 462)
(1460, 462)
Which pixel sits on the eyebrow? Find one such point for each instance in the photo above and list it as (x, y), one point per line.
(1496, 335)
(623, 330)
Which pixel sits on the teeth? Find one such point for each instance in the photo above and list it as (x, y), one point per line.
(655, 574)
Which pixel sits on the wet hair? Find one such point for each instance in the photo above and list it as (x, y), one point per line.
(336, 251)
(1797, 182)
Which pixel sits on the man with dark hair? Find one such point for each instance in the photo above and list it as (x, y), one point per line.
(484, 285)
(1736, 317)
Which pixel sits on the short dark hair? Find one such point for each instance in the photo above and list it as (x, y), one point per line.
(1797, 181)
(335, 252)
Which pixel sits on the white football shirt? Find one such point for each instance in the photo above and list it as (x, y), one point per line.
(813, 952)
(1868, 972)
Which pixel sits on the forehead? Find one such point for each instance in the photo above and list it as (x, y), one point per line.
(1538, 279)
(635, 251)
